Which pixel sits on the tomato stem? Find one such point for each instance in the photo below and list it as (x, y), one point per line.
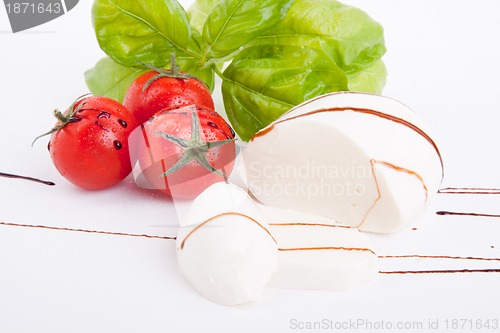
(174, 72)
(62, 118)
(174, 68)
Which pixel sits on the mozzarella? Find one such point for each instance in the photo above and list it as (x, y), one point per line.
(224, 247)
(318, 253)
(363, 160)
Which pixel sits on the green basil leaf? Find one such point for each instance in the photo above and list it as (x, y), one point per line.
(192, 66)
(370, 80)
(198, 12)
(233, 23)
(110, 79)
(263, 82)
(347, 34)
(141, 30)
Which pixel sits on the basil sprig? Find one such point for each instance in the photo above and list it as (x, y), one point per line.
(280, 52)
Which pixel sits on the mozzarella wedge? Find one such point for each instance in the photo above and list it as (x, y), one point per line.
(318, 253)
(224, 246)
(363, 160)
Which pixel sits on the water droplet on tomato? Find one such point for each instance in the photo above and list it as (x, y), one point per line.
(103, 114)
(117, 144)
(122, 123)
(212, 124)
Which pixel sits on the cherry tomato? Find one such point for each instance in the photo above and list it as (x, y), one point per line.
(183, 151)
(89, 144)
(161, 89)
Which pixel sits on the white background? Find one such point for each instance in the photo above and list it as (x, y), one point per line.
(443, 62)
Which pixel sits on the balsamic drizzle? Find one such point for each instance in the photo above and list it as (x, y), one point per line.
(84, 230)
(445, 271)
(469, 190)
(436, 257)
(466, 214)
(31, 179)
(451, 271)
(364, 111)
(448, 190)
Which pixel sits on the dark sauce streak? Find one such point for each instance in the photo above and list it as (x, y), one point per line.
(304, 224)
(379, 114)
(436, 257)
(233, 134)
(117, 144)
(214, 126)
(442, 213)
(122, 123)
(211, 124)
(468, 190)
(213, 218)
(326, 248)
(74, 120)
(31, 179)
(86, 231)
(174, 238)
(451, 271)
(89, 109)
(101, 126)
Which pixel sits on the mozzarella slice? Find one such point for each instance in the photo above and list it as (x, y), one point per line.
(224, 247)
(318, 253)
(363, 160)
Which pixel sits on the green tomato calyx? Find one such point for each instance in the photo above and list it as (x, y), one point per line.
(193, 149)
(64, 119)
(174, 72)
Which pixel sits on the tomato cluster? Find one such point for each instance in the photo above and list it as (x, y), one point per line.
(167, 121)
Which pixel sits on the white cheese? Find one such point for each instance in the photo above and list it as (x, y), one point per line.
(224, 247)
(317, 253)
(363, 160)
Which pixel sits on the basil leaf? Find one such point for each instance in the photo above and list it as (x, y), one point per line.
(198, 12)
(141, 30)
(347, 34)
(263, 82)
(370, 80)
(192, 66)
(233, 23)
(110, 79)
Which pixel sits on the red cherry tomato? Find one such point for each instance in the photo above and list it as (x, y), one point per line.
(89, 144)
(183, 151)
(161, 89)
